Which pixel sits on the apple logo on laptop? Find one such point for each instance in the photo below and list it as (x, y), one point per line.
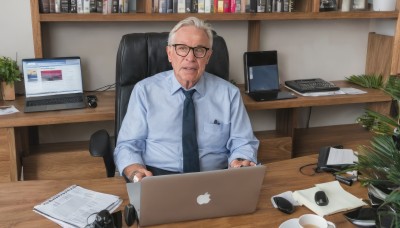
(203, 199)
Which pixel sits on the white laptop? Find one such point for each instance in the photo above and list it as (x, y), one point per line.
(192, 196)
(53, 84)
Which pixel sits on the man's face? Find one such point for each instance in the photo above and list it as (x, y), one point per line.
(189, 69)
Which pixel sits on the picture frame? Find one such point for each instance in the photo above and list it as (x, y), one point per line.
(357, 5)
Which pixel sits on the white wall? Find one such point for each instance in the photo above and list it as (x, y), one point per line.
(330, 49)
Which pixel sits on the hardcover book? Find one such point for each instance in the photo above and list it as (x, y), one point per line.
(181, 6)
(74, 6)
(99, 6)
(44, 6)
(188, 5)
(65, 6)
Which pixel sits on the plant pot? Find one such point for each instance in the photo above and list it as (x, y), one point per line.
(7, 91)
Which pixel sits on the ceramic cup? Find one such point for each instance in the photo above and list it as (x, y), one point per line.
(314, 221)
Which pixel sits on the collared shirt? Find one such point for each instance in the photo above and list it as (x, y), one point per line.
(151, 132)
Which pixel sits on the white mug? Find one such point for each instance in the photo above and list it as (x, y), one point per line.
(314, 221)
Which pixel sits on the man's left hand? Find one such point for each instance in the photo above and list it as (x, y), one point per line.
(237, 163)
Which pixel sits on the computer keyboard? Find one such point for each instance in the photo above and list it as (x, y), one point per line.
(311, 85)
(54, 101)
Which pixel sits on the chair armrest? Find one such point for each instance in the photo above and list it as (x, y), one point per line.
(99, 144)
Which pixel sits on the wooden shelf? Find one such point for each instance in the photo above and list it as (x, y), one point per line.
(157, 17)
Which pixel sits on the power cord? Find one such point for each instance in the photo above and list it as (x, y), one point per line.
(102, 89)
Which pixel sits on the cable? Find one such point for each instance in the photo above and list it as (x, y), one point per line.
(309, 117)
(102, 89)
(314, 169)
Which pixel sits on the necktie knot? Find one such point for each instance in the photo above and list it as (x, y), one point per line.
(188, 93)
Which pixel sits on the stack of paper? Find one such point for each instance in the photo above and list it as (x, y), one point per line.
(339, 199)
(76, 206)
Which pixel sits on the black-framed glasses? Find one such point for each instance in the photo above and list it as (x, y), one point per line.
(183, 50)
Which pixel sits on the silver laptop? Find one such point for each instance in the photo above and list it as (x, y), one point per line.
(53, 84)
(261, 74)
(192, 196)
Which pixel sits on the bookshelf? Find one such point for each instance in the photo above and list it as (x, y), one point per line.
(305, 10)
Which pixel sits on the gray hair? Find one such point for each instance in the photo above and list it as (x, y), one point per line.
(194, 21)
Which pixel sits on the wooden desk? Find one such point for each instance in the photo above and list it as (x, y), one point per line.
(13, 128)
(280, 143)
(18, 198)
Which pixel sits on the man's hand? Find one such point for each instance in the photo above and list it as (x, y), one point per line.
(136, 172)
(237, 163)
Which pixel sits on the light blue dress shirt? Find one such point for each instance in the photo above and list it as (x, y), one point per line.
(151, 132)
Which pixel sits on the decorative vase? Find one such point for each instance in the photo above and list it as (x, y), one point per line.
(8, 91)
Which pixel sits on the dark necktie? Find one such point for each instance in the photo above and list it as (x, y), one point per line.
(189, 140)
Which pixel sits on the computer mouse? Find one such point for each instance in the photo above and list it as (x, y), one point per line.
(321, 199)
(284, 205)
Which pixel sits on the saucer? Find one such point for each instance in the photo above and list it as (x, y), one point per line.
(291, 223)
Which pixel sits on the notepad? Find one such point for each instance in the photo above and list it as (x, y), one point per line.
(339, 199)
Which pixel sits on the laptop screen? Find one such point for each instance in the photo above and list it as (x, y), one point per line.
(52, 76)
(261, 71)
(264, 77)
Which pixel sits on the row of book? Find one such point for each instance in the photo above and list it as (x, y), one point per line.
(165, 6)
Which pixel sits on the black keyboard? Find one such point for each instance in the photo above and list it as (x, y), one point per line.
(311, 85)
(55, 101)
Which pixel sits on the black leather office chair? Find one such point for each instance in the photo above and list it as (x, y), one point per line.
(139, 56)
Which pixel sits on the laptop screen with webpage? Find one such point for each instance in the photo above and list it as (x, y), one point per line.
(52, 76)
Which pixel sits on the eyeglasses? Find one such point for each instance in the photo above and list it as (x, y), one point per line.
(183, 50)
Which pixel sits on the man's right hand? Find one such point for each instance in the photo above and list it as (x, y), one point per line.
(136, 172)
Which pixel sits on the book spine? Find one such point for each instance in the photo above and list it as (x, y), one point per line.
(207, 6)
(268, 6)
(243, 4)
(162, 6)
(64, 6)
(99, 6)
(170, 6)
(232, 6)
(174, 6)
(93, 6)
(227, 6)
(253, 6)
(52, 5)
(195, 6)
(260, 6)
(220, 6)
(44, 6)
(74, 6)
(86, 6)
(181, 6)
(105, 6)
(200, 6)
(132, 6)
(188, 5)
(114, 6)
(238, 6)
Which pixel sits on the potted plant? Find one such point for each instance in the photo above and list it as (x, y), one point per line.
(379, 162)
(9, 73)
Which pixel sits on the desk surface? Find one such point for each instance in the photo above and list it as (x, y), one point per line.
(104, 111)
(372, 95)
(18, 198)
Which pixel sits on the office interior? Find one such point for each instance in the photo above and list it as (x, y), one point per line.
(328, 49)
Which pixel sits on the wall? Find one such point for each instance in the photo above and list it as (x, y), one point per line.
(331, 49)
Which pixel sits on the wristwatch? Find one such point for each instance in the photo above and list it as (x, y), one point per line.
(133, 178)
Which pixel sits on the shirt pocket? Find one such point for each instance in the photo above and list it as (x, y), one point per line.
(216, 135)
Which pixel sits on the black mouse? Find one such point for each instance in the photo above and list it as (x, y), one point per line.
(284, 205)
(321, 199)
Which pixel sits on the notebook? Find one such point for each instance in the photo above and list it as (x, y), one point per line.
(192, 196)
(261, 74)
(53, 84)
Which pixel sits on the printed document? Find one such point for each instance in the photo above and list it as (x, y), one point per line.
(76, 206)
